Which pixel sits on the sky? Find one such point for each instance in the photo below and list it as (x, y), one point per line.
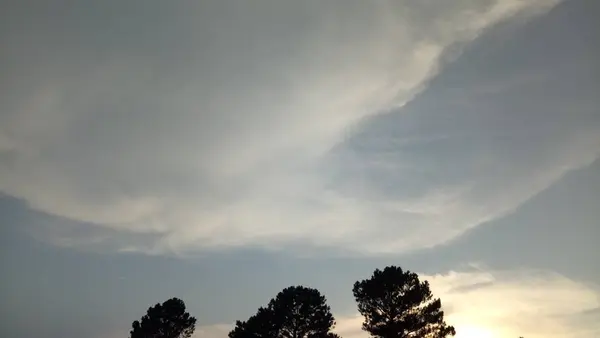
(219, 151)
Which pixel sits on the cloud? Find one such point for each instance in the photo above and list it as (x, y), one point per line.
(498, 304)
(213, 331)
(504, 304)
(188, 127)
(518, 303)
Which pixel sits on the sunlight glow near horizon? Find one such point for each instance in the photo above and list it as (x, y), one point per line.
(473, 331)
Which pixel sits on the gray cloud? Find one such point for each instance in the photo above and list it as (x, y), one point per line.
(199, 125)
(489, 132)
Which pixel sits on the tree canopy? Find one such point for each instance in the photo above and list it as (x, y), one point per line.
(296, 312)
(260, 325)
(166, 320)
(395, 304)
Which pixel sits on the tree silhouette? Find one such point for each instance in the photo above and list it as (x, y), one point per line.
(261, 325)
(296, 312)
(396, 304)
(166, 320)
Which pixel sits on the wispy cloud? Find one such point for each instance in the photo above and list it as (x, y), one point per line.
(185, 128)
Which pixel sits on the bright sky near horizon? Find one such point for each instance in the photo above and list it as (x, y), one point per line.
(219, 151)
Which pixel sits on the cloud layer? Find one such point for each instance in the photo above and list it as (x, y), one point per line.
(187, 127)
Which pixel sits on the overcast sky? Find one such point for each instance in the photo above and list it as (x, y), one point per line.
(219, 151)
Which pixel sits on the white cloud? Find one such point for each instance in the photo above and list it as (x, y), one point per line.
(213, 331)
(213, 126)
(518, 303)
(508, 304)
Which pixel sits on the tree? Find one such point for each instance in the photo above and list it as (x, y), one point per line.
(296, 312)
(396, 304)
(261, 325)
(166, 320)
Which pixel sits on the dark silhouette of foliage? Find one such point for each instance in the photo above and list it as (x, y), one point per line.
(396, 304)
(166, 320)
(261, 325)
(296, 312)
